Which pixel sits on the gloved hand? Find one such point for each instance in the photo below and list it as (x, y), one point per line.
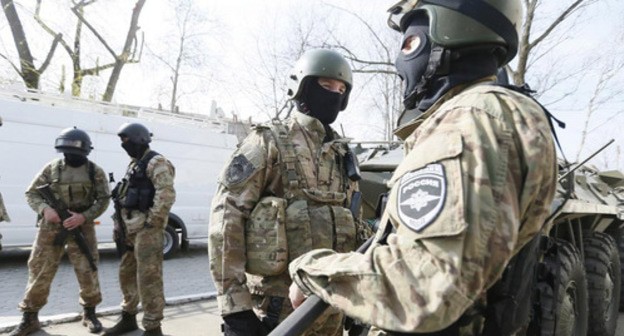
(244, 323)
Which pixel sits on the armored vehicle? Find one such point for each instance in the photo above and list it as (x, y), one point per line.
(579, 279)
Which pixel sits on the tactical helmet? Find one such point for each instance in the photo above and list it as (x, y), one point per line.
(73, 141)
(320, 63)
(462, 23)
(136, 133)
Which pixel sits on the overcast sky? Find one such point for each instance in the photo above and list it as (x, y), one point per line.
(236, 30)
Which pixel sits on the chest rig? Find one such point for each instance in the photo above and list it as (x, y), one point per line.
(304, 217)
(139, 193)
(76, 191)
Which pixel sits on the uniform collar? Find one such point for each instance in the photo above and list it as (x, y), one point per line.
(404, 131)
(310, 123)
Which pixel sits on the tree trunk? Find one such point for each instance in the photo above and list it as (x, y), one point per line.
(29, 73)
(121, 60)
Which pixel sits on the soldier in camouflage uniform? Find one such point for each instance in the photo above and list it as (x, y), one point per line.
(4, 215)
(145, 203)
(475, 185)
(82, 186)
(285, 191)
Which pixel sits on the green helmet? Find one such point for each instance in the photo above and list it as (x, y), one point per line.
(463, 23)
(320, 63)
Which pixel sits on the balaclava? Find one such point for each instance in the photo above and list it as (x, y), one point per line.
(74, 160)
(133, 149)
(319, 102)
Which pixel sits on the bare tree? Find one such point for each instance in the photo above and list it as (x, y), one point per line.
(130, 52)
(27, 70)
(184, 52)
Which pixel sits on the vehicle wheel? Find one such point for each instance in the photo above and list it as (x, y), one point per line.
(621, 252)
(569, 298)
(170, 242)
(602, 265)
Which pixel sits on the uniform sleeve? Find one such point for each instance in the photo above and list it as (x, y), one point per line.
(437, 265)
(101, 196)
(161, 172)
(241, 185)
(33, 198)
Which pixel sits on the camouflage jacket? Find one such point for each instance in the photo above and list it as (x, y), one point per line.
(73, 186)
(256, 171)
(475, 185)
(161, 173)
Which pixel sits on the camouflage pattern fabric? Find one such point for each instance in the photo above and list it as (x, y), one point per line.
(4, 215)
(475, 185)
(73, 186)
(255, 171)
(140, 270)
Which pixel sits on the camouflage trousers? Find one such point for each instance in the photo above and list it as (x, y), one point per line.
(44, 261)
(330, 323)
(141, 276)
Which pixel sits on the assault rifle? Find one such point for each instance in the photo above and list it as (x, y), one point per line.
(61, 237)
(119, 231)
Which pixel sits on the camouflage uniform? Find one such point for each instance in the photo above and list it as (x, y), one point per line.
(75, 189)
(475, 185)
(317, 214)
(140, 271)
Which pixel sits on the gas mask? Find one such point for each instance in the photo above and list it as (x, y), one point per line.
(75, 160)
(320, 103)
(413, 59)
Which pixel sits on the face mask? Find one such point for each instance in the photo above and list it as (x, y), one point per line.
(134, 150)
(320, 103)
(75, 160)
(411, 67)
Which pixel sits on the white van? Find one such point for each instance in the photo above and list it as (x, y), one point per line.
(197, 145)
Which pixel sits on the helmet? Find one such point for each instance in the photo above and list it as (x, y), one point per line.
(73, 141)
(461, 23)
(136, 133)
(320, 63)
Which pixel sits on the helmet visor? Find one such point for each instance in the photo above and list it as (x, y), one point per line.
(69, 143)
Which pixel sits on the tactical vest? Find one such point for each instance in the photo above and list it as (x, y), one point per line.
(78, 193)
(283, 227)
(140, 191)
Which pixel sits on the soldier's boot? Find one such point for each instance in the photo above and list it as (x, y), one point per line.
(153, 332)
(127, 323)
(28, 325)
(91, 321)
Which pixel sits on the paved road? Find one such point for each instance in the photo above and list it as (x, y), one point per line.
(187, 273)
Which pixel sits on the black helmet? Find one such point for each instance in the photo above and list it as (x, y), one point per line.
(73, 141)
(136, 133)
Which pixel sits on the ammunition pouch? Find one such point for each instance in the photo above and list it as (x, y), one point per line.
(265, 238)
(138, 199)
(275, 233)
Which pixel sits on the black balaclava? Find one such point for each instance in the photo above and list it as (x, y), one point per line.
(411, 67)
(74, 160)
(133, 149)
(464, 66)
(318, 102)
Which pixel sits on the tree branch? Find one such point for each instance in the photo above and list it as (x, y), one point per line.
(91, 28)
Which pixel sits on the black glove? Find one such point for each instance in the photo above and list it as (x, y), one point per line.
(244, 323)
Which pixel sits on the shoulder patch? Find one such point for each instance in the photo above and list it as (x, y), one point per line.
(421, 196)
(239, 170)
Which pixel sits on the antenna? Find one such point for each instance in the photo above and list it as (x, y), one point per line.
(562, 177)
